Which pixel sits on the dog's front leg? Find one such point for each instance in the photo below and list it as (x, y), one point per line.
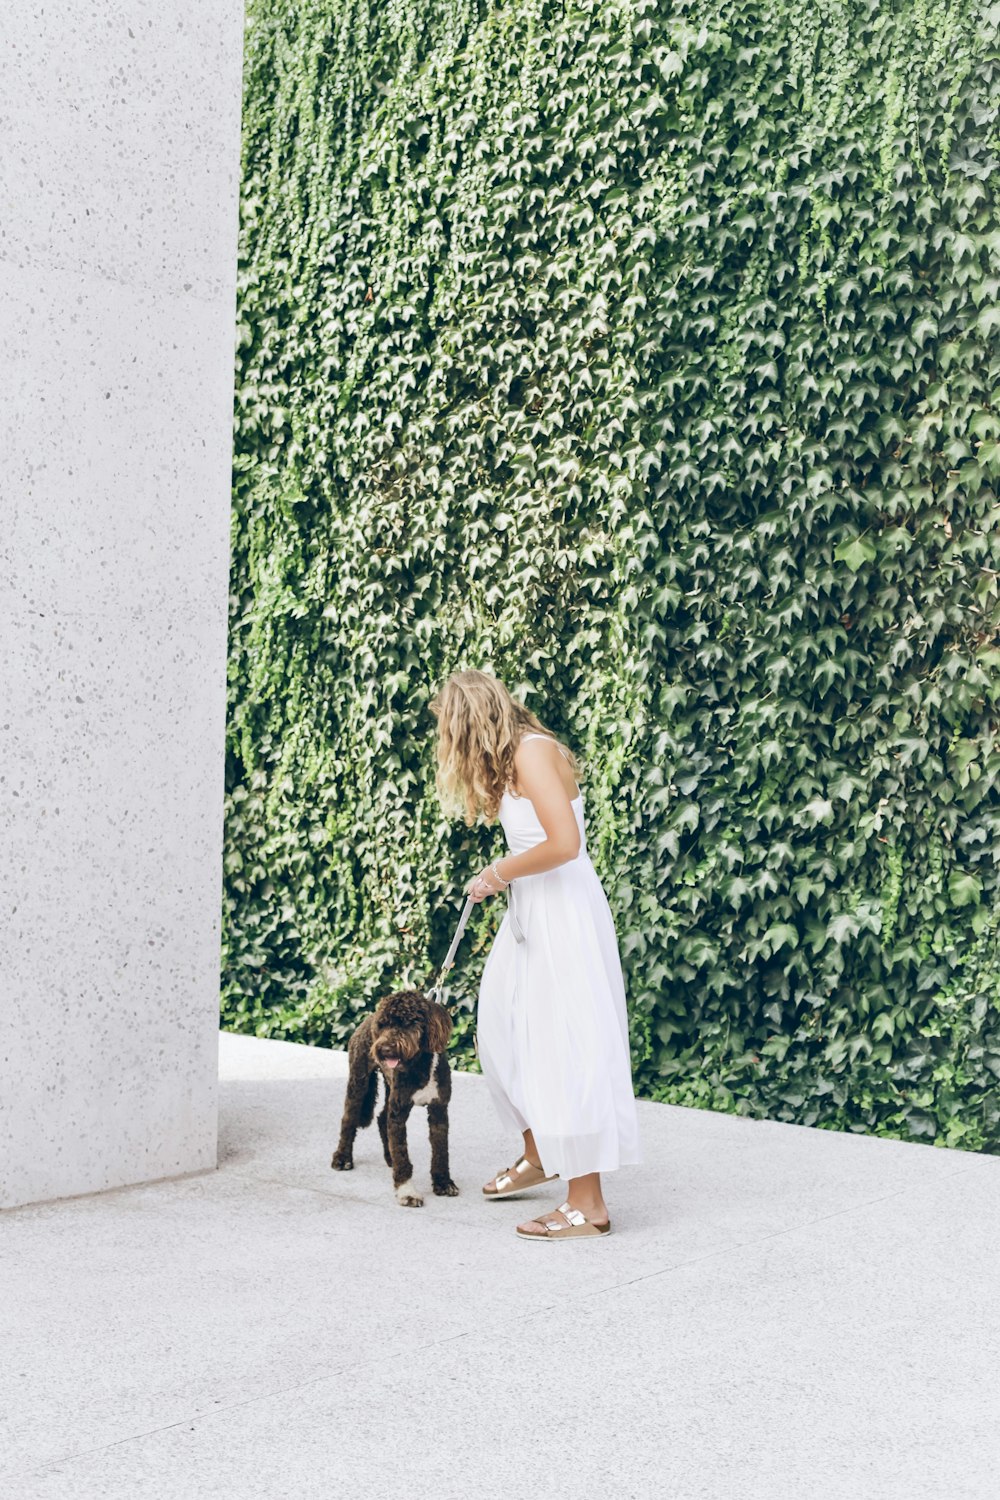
(437, 1124)
(402, 1167)
(383, 1130)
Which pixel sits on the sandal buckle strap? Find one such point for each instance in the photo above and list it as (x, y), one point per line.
(509, 1177)
(575, 1217)
(572, 1214)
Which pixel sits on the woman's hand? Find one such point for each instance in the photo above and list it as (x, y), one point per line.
(482, 885)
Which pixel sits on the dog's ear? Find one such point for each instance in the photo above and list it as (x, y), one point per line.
(438, 1027)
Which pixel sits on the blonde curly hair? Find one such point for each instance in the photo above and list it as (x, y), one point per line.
(479, 728)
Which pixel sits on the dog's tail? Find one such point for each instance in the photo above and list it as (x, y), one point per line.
(368, 1102)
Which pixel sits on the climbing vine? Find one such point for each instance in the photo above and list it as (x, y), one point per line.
(648, 354)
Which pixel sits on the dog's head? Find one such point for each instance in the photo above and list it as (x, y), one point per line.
(405, 1024)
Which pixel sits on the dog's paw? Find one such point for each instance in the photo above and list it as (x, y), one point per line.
(445, 1189)
(342, 1162)
(408, 1197)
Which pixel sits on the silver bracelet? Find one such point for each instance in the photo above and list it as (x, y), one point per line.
(503, 883)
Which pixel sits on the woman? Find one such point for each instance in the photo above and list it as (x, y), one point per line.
(552, 1027)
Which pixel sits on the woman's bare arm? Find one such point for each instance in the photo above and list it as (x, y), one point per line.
(539, 779)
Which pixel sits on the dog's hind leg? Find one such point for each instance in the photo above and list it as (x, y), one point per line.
(437, 1123)
(368, 1102)
(343, 1157)
(359, 1104)
(402, 1167)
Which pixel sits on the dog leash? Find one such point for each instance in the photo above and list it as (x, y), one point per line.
(437, 989)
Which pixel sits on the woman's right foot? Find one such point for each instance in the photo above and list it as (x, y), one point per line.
(566, 1223)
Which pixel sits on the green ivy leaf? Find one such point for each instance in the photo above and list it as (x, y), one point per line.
(855, 552)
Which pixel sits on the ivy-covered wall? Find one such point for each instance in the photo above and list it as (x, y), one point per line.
(646, 352)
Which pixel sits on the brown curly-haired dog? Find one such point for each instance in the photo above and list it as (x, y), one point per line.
(405, 1040)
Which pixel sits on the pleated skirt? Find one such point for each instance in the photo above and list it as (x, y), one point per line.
(552, 1028)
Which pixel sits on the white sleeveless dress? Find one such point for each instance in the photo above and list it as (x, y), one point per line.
(552, 1027)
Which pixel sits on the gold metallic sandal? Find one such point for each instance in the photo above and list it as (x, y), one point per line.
(578, 1227)
(517, 1179)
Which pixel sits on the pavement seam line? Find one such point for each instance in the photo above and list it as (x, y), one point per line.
(332, 1374)
(298, 1385)
(752, 1244)
(465, 1333)
(451, 1338)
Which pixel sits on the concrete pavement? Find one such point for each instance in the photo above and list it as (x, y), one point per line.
(780, 1312)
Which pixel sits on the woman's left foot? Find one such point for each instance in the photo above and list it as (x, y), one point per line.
(522, 1175)
(566, 1223)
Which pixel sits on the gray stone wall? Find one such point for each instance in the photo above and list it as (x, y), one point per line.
(118, 225)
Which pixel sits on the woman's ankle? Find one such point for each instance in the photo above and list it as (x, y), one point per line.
(586, 1195)
(530, 1151)
(587, 1205)
(594, 1213)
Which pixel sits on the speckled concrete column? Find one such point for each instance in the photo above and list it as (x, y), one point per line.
(118, 223)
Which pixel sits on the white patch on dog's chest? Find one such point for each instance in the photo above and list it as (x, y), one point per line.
(429, 1092)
